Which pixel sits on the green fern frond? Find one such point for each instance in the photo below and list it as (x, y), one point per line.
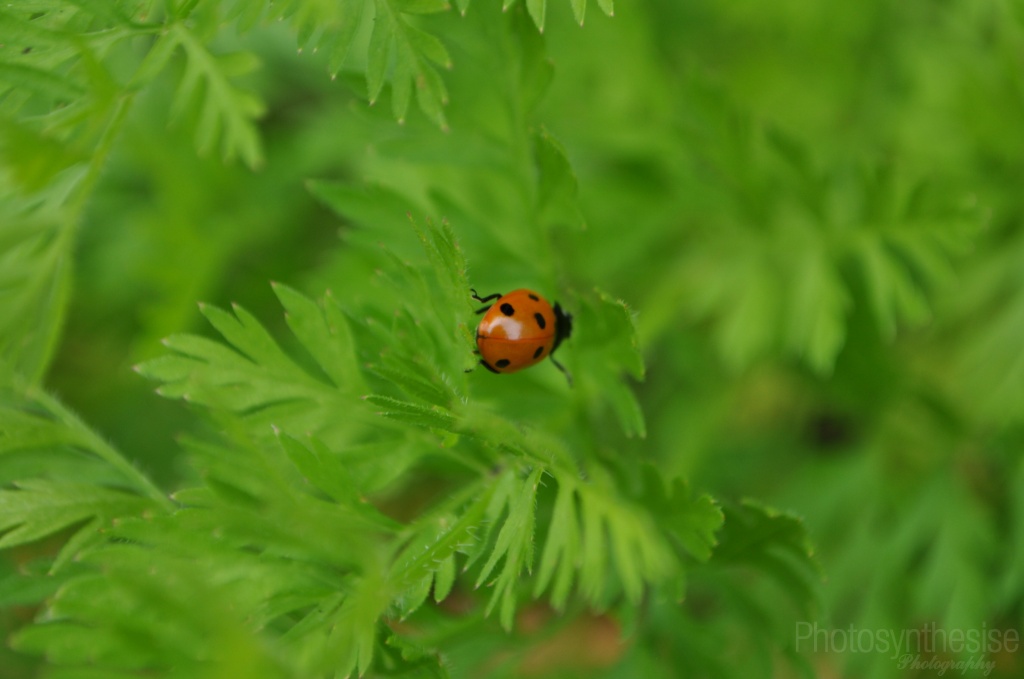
(605, 339)
(320, 25)
(257, 374)
(34, 280)
(226, 112)
(142, 614)
(909, 238)
(692, 523)
(775, 543)
(514, 544)
(36, 509)
(39, 59)
(538, 9)
(411, 56)
(810, 245)
(36, 425)
(429, 555)
(615, 532)
(557, 199)
(616, 541)
(598, 540)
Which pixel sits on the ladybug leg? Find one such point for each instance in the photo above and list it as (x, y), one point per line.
(488, 366)
(561, 367)
(484, 300)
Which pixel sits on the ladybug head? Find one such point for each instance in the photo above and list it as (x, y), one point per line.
(563, 326)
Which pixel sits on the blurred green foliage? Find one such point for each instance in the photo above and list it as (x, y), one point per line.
(791, 238)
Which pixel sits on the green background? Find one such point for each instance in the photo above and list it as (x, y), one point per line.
(812, 213)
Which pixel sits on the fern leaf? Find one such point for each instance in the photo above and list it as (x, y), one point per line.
(324, 469)
(608, 343)
(640, 552)
(60, 446)
(594, 534)
(421, 661)
(406, 378)
(436, 541)
(56, 88)
(34, 268)
(422, 6)
(989, 373)
(561, 554)
(444, 579)
(98, 625)
(692, 522)
(817, 322)
(21, 430)
(410, 55)
(379, 51)
(447, 261)
(363, 204)
(593, 576)
(414, 597)
(558, 188)
(775, 542)
(248, 13)
(112, 14)
(954, 573)
(434, 417)
(515, 545)
(337, 637)
(20, 30)
(325, 333)
(38, 508)
(156, 59)
(210, 373)
(497, 499)
(226, 112)
(579, 10)
(893, 293)
(428, 46)
(246, 334)
(537, 10)
(402, 86)
(327, 26)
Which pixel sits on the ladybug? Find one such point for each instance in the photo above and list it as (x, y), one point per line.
(520, 329)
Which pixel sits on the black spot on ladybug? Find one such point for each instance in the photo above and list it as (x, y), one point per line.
(540, 350)
(534, 297)
(503, 362)
(507, 309)
(540, 320)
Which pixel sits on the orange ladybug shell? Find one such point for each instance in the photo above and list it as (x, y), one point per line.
(516, 332)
